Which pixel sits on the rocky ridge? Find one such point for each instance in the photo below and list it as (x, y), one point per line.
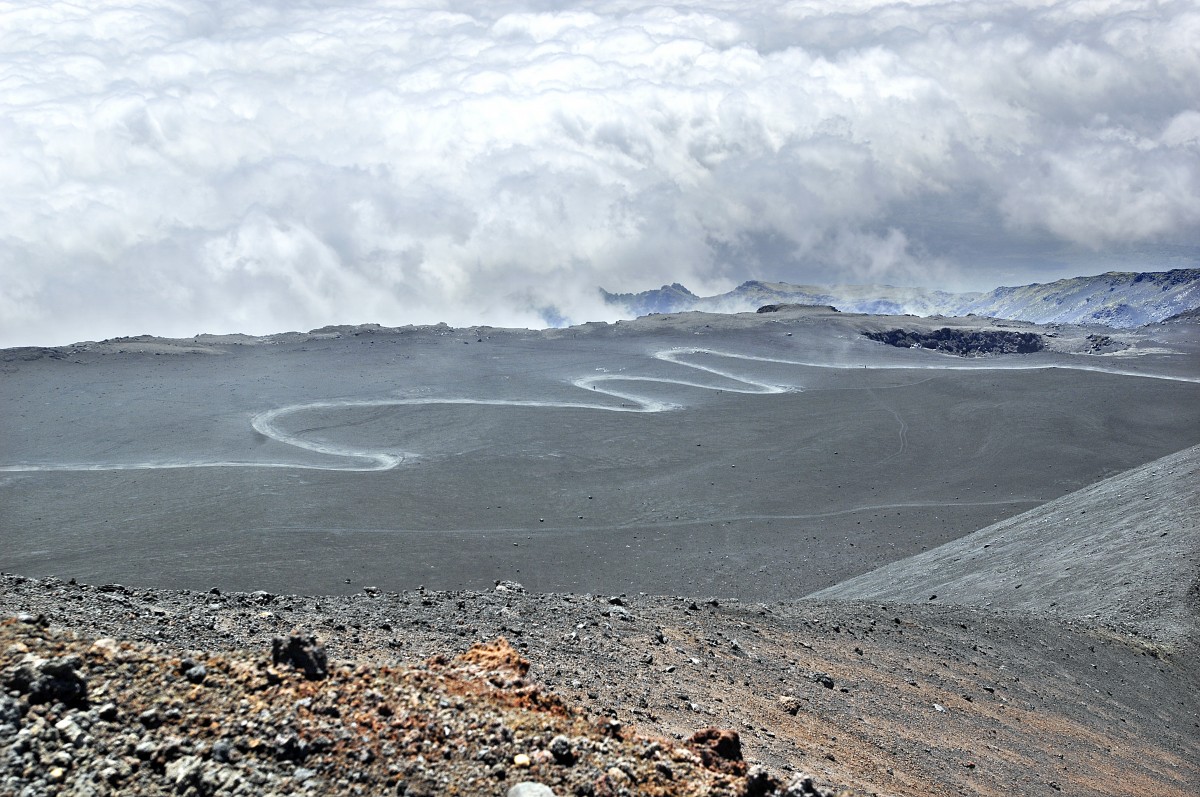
(104, 717)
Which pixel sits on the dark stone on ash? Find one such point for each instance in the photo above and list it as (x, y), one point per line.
(53, 681)
(823, 679)
(303, 653)
(720, 750)
(289, 747)
(759, 783)
(801, 786)
(1099, 343)
(965, 343)
(560, 748)
(222, 751)
(196, 673)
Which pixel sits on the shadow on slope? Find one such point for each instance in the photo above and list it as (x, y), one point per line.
(1124, 552)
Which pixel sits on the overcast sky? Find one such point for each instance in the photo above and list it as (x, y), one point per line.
(183, 166)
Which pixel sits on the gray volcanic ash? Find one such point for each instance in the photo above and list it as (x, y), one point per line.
(725, 466)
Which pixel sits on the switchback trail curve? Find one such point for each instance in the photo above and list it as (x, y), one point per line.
(267, 422)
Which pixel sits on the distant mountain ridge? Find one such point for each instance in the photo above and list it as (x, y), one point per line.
(1115, 299)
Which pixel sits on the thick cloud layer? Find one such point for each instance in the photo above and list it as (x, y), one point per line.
(184, 166)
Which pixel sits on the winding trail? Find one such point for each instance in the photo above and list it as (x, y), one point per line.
(267, 423)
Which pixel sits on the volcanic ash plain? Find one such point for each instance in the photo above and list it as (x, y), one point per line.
(1002, 547)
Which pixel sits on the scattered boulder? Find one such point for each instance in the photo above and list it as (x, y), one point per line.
(801, 786)
(824, 679)
(561, 749)
(760, 783)
(50, 681)
(303, 653)
(1101, 343)
(193, 671)
(498, 658)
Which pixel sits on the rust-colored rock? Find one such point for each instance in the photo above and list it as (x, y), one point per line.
(496, 656)
(720, 750)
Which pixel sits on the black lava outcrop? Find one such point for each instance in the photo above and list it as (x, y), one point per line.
(775, 308)
(965, 343)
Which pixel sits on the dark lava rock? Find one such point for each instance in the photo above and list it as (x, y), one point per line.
(1100, 343)
(196, 673)
(801, 786)
(760, 783)
(775, 308)
(965, 343)
(57, 680)
(560, 748)
(303, 653)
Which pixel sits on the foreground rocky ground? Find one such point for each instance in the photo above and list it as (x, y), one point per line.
(98, 717)
(878, 698)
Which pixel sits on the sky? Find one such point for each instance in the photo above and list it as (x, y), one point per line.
(176, 167)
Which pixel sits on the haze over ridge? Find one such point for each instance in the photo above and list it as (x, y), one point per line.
(187, 167)
(1115, 299)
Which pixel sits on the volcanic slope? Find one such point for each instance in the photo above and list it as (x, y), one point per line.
(751, 456)
(1076, 692)
(1124, 551)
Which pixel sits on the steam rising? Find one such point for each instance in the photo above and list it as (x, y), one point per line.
(184, 166)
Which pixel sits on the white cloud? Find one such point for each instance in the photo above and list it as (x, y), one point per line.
(186, 165)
